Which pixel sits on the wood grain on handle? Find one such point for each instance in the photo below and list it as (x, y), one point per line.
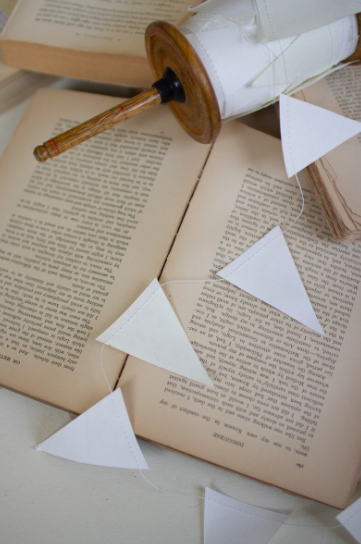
(122, 112)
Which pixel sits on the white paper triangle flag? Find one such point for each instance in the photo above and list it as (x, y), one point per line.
(228, 521)
(150, 330)
(309, 132)
(100, 436)
(267, 271)
(351, 520)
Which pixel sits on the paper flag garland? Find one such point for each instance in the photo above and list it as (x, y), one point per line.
(228, 521)
(150, 330)
(309, 132)
(351, 520)
(100, 436)
(267, 271)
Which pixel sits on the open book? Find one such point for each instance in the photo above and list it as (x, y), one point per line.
(94, 40)
(335, 177)
(83, 235)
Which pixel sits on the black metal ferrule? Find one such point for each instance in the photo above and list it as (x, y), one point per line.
(169, 87)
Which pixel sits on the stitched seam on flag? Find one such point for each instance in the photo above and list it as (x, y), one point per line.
(288, 118)
(332, 46)
(132, 316)
(270, 19)
(252, 256)
(352, 516)
(342, 38)
(125, 434)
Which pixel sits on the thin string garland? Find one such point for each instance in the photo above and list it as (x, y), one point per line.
(203, 280)
(213, 280)
(272, 56)
(208, 280)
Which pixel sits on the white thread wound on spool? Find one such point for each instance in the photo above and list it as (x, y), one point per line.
(348, 37)
(226, 36)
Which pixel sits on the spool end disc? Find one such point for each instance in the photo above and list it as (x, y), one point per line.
(167, 48)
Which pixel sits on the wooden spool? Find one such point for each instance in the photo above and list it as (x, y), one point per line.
(168, 48)
(199, 113)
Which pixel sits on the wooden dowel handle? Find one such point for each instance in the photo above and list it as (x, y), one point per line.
(96, 125)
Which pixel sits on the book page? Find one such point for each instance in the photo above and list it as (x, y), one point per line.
(7, 6)
(115, 26)
(278, 411)
(7, 73)
(81, 236)
(3, 19)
